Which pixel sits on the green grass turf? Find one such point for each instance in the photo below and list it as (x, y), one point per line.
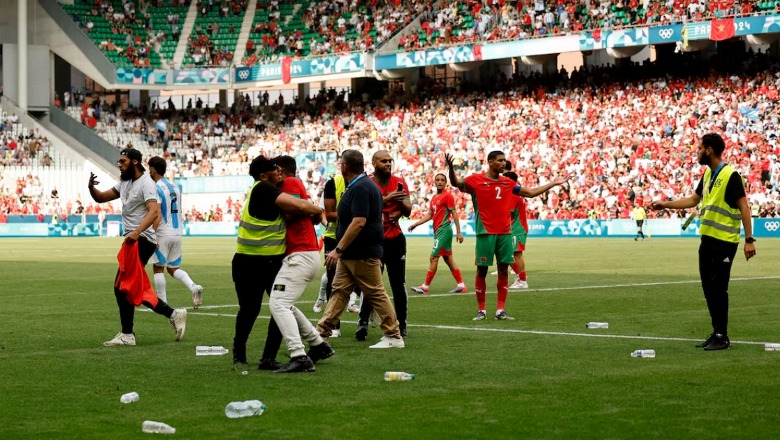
(542, 376)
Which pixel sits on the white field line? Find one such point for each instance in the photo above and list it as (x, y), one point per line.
(546, 289)
(515, 331)
(529, 332)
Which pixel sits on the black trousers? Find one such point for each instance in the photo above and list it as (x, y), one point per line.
(715, 260)
(254, 275)
(328, 245)
(394, 261)
(126, 309)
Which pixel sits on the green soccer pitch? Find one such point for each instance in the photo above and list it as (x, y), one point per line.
(542, 376)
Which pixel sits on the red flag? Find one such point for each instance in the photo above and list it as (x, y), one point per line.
(722, 29)
(286, 64)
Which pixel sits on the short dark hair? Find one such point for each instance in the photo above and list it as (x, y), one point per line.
(440, 174)
(511, 175)
(508, 166)
(714, 141)
(287, 164)
(492, 155)
(158, 164)
(353, 159)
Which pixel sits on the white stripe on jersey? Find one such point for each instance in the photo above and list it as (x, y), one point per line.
(172, 222)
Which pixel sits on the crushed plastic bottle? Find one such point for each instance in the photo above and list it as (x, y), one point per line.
(597, 325)
(393, 376)
(205, 350)
(129, 397)
(643, 353)
(152, 427)
(247, 408)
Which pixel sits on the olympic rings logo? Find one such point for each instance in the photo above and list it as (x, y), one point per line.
(772, 226)
(666, 33)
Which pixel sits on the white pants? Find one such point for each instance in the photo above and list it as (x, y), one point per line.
(298, 269)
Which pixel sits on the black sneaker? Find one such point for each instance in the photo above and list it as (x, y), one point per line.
(269, 365)
(719, 342)
(706, 341)
(320, 352)
(362, 332)
(239, 364)
(403, 332)
(298, 364)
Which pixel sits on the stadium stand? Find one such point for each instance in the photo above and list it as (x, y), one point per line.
(627, 132)
(118, 30)
(215, 33)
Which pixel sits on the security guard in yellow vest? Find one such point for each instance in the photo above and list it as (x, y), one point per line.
(331, 194)
(723, 207)
(259, 252)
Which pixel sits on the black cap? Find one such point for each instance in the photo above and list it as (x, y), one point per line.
(260, 165)
(133, 154)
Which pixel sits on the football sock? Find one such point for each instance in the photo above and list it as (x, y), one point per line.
(323, 287)
(184, 278)
(515, 268)
(159, 286)
(429, 277)
(479, 286)
(458, 277)
(523, 276)
(503, 289)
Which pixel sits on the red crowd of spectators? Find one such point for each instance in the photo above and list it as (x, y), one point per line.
(628, 134)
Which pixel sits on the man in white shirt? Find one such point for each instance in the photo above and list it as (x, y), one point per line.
(139, 212)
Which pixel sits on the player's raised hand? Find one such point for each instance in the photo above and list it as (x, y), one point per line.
(449, 159)
(93, 180)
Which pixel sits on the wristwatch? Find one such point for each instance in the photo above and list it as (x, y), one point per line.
(339, 250)
(750, 240)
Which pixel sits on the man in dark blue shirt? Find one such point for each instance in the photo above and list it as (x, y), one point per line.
(357, 257)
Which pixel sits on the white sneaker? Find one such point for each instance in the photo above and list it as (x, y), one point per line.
(121, 339)
(335, 333)
(495, 272)
(387, 342)
(353, 308)
(197, 296)
(373, 319)
(518, 284)
(318, 305)
(179, 323)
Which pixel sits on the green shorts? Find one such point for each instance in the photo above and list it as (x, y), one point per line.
(442, 242)
(502, 246)
(518, 242)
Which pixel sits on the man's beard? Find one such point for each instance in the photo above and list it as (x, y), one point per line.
(705, 160)
(126, 175)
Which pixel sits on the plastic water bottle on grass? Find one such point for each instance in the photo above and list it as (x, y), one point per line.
(597, 325)
(393, 376)
(643, 353)
(205, 350)
(129, 397)
(772, 347)
(248, 408)
(153, 427)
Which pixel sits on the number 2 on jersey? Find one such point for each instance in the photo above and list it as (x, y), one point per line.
(498, 193)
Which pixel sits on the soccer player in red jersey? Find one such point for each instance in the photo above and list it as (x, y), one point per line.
(442, 209)
(519, 237)
(492, 195)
